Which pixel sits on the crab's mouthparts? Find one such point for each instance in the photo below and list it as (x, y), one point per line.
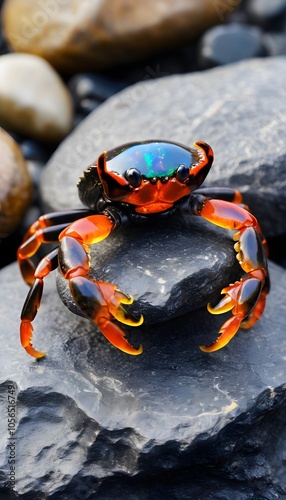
(154, 207)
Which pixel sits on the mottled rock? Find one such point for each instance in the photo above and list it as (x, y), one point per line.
(170, 268)
(85, 36)
(15, 185)
(247, 133)
(171, 423)
(230, 43)
(33, 99)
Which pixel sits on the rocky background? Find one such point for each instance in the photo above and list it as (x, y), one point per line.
(88, 421)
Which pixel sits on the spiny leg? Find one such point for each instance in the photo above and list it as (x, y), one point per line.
(45, 230)
(33, 300)
(99, 301)
(56, 218)
(233, 196)
(246, 298)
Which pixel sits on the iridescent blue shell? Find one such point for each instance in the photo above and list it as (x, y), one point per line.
(153, 159)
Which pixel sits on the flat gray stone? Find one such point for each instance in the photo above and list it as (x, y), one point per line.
(174, 422)
(237, 109)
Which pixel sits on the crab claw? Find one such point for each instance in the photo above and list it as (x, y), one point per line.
(101, 303)
(116, 336)
(26, 334)
(245, 300)
(227, 331)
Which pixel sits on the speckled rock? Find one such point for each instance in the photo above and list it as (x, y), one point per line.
(236, 109)
(15, 184)
(79, 36)
(172, 423)
(33, 99)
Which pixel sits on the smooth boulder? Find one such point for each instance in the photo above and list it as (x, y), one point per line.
(33, 99)
(86, 36)
(15, 185)
(222, 106)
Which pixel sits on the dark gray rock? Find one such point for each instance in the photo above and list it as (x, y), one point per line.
(174, 422)
(237, 109)
(170, 268)
(263, 11)
(275, 43)
(93, 86)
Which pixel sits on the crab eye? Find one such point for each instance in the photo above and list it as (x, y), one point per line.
(134, 177)
(182, 173)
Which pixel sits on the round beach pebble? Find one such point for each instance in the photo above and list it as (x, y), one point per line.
(33, 99)
(89, 36)
(230, 43)
(263, 10)
(15, 185)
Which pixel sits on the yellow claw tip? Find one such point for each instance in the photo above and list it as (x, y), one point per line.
(123, 298)
(210, 348)
(34, 353)
(129, 300)
(140, 321)
(209, 308)
(129, 349)
(138, 351)
(132, 322)
(213, 310)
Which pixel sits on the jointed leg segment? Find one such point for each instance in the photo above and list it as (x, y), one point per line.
(245, 298)
(100, 302)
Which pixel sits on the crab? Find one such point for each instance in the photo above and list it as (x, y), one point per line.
(134, 182)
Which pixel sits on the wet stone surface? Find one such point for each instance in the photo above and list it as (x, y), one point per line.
(172, 422)
(170, 267)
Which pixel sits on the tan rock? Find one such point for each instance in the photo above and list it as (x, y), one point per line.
(83, 35)
(15, 184)
(33, 99)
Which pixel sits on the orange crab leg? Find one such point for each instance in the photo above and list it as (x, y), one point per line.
(100, 302)
(45, 230)
(246, 298)
(33, 300)
(222, 193)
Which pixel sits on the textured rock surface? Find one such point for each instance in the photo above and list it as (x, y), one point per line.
(170, 268)
(33, 99)
(15, 184)
(94, 35)
(222, 106)
(173, 422)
